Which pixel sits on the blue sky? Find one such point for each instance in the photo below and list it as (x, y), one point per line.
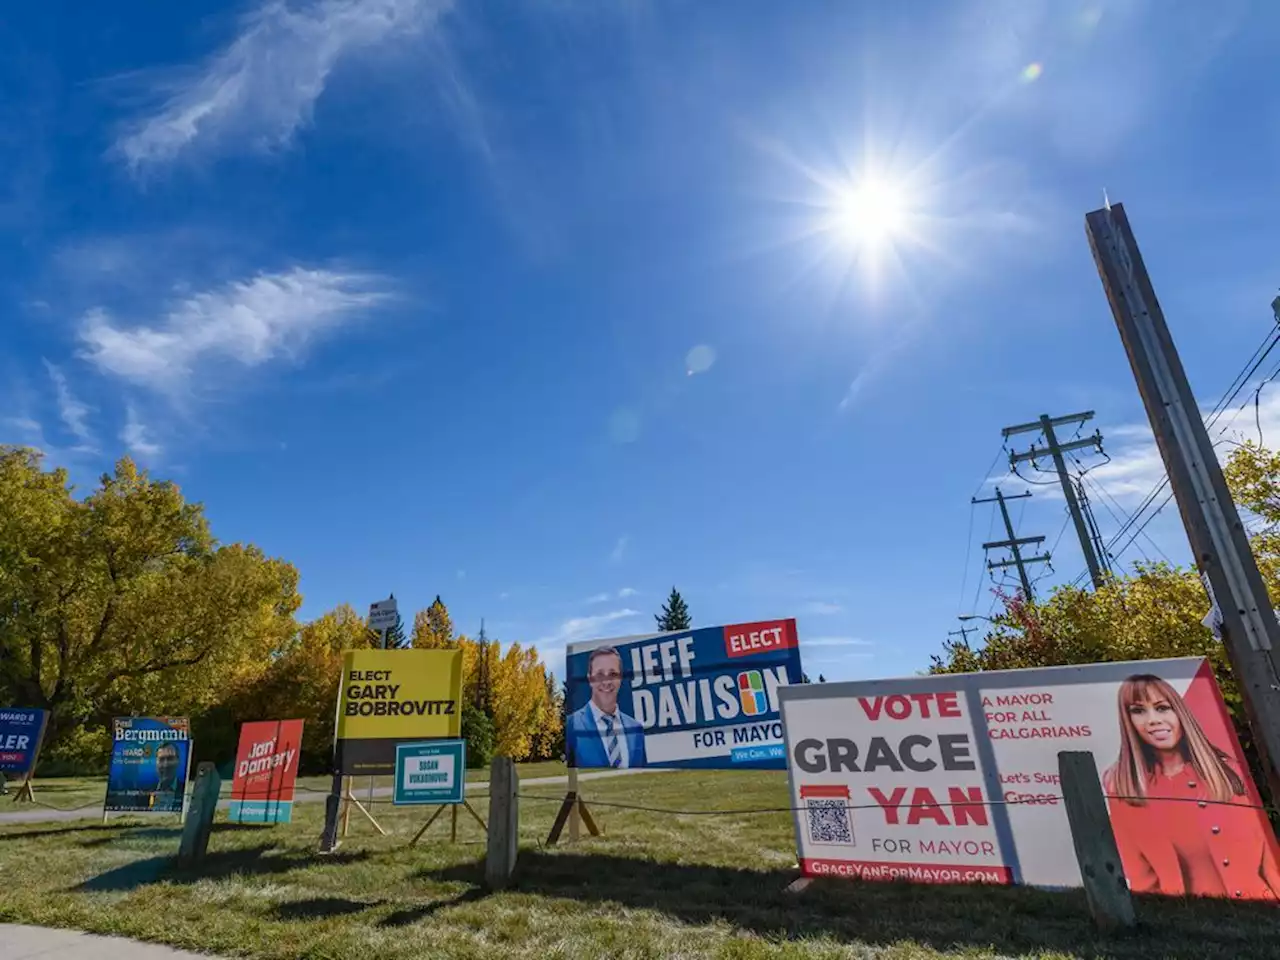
(547, 307)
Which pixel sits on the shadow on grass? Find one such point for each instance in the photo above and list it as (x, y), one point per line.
(262, 860)
(1009, 920)
(113, 829)
(172, 834)
(319, 908)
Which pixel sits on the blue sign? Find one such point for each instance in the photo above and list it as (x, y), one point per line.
(150, 760)
(434, 771)
(21, 730)
(698, 698)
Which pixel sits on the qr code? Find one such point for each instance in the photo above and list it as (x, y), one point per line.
(829, 822)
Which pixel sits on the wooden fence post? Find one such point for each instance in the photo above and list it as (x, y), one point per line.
(504, 823)
(199, 822)
(1105, 887)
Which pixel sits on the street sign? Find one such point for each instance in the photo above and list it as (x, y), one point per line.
(383, 614)
(433, 772)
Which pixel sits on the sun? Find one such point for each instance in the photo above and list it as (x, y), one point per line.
(871, 214)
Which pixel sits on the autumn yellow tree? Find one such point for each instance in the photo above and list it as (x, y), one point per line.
(123, 602)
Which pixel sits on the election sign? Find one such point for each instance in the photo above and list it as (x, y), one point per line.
(691, 698)
(21, 730)
(394, 696)
(954, 778)
(266, 771)
(434, 772)
(150, 761)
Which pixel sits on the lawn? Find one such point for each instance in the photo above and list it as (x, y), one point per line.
(68, 793)
(655, 885)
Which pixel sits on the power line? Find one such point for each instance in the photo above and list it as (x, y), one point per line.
(1256, 359)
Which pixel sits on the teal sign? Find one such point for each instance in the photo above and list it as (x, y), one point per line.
(431, 772)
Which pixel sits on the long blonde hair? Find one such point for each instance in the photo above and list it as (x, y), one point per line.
(1135, 769)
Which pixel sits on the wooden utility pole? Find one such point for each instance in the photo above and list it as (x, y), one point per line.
(1219, 543)
(1101, 872)
(1014, 543)
(1055, 450)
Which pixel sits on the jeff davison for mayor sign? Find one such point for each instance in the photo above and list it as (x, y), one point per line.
(693, 698)
(955, 778)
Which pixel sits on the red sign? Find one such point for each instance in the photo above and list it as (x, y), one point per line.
(267, 760)
(746, 639)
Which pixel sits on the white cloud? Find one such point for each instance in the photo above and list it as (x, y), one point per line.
(137, 437)
(597, 598)
(248, 322)
(619, 549)
(74, 414)
(821, 608)
(627, 592)
(585, 628)
(259, 90)
(834, 642)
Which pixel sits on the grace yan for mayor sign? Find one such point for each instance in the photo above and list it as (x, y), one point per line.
(955, 778)
(692, 698)
(388, 697)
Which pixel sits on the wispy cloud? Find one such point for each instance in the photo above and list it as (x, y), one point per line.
(74, 414)
(605, 596)
(137, 437)
(821, 608)
(834, 642)
(259, 90)
(585, 628)
(619, 549)
(248, 322)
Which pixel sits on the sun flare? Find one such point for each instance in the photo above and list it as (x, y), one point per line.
(871, 214)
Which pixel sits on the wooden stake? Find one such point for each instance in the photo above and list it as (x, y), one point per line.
(573, 811)
(435, 816)
(1105, 887)
(504, 820)
(453, 830)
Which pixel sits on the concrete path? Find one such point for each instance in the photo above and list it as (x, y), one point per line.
(28, 814)
(28, 943)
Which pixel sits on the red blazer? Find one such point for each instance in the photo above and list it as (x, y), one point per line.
(1195, 847)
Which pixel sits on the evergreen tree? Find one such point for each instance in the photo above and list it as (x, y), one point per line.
(478, 731)
(432, 628)
(821, 678)
(675, 613)
(395, 635)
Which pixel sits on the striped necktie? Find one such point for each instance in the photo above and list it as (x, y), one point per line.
(611, 742)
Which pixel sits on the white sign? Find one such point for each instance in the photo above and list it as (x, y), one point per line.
(954, 778)
(383, 614)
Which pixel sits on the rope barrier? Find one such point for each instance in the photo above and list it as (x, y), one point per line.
(757, 811)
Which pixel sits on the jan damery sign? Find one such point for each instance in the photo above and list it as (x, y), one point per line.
(432, 772)
(388, 697)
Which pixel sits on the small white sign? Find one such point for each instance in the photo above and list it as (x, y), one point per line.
(383, 614)
(432, 773)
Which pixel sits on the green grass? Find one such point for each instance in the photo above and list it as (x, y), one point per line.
(66, 793)
(654, 885)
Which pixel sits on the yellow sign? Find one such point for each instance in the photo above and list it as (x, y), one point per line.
(390, 696)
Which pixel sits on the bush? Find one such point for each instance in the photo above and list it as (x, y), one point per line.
(81, 752)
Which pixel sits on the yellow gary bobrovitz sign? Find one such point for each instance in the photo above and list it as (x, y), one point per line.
(392, 696)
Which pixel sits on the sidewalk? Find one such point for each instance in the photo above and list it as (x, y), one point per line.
(44, 815)
(27, 943)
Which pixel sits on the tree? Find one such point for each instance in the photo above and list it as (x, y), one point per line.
(675, 613)
(123, 601)
(432, 628)
(821, 678)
